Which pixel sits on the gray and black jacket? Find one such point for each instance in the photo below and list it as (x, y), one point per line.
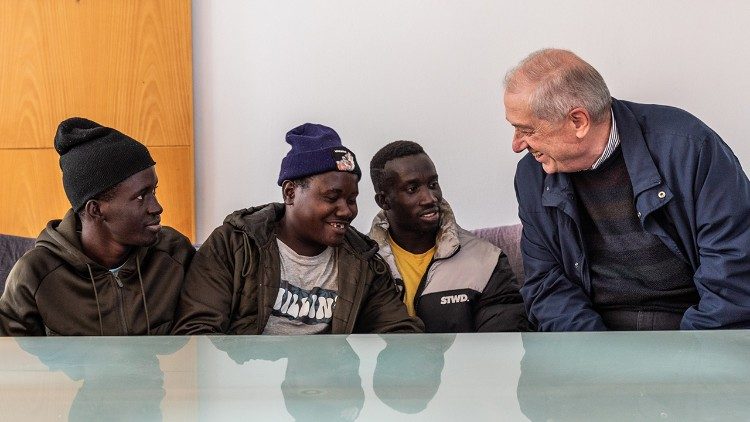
(468, 286)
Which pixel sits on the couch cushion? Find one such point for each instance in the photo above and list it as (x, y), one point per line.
(507, 238)
(11, 248)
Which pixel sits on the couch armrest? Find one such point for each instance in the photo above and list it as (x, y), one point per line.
(507, 238)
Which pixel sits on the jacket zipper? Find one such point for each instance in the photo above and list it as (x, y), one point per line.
(579, 260)
(583, 275)
(422, 285)
(261, 308)
(262, 296)
(122, 304)
(354, 312)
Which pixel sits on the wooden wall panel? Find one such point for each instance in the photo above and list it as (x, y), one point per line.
(32, 192)
(175, 191)
(125, 64)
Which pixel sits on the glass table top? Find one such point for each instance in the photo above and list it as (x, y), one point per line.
(530, 376)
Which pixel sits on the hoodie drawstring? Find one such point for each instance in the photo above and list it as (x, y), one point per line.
(96, 297)
(143, 295)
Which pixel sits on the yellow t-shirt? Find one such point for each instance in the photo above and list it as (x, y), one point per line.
(412, 268)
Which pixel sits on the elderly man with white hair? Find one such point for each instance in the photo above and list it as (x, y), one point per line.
(635, 216)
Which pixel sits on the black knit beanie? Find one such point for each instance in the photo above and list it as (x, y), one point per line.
(316, 149)
(94, 158)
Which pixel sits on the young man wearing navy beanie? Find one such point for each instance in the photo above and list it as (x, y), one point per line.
(296, 267)
(108, 267)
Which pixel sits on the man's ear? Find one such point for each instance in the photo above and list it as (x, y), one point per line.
(580, 120)
(93, 209)
(382, 200)
(287, 191)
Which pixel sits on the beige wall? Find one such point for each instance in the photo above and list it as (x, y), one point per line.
(431, 71)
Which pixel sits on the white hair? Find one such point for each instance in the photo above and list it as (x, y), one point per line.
(561, 82)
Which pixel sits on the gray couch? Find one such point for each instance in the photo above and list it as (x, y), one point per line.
(11, 248)
(506, 238)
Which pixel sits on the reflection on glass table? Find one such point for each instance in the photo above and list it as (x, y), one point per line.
(121, 379)
(530, 376)
(636, 376)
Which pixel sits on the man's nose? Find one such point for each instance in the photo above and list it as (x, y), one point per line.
(429, 197)
(346, 211)
(155, 207)
(519, 145)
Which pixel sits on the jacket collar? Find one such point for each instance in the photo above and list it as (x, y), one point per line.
(638, 160)
(447, 239)
(649, 190)
(644, 176)
(260, 223)
(63, 239)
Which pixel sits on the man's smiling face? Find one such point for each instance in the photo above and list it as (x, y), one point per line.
(412, 195)
(318, 215)
(553, 144)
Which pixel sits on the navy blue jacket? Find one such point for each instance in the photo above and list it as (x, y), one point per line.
(676, 164)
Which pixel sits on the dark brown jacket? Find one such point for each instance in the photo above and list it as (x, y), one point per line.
(234, 279)
(54, 289)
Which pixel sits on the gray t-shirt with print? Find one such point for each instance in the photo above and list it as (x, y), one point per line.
(307, 293)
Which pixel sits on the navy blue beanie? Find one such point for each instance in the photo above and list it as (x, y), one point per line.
(316, 149)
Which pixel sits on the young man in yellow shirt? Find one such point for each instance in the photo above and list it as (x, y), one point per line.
(452, 280)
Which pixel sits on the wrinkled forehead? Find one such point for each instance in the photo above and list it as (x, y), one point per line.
(517, 106)
(519, 87)
(517, 80)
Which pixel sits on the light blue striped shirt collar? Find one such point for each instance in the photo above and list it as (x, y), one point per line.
(612, 144)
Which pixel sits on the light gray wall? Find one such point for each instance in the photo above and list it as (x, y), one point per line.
(431, 71)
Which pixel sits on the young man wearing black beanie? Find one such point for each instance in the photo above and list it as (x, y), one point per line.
(297, 267)
(108, 267)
